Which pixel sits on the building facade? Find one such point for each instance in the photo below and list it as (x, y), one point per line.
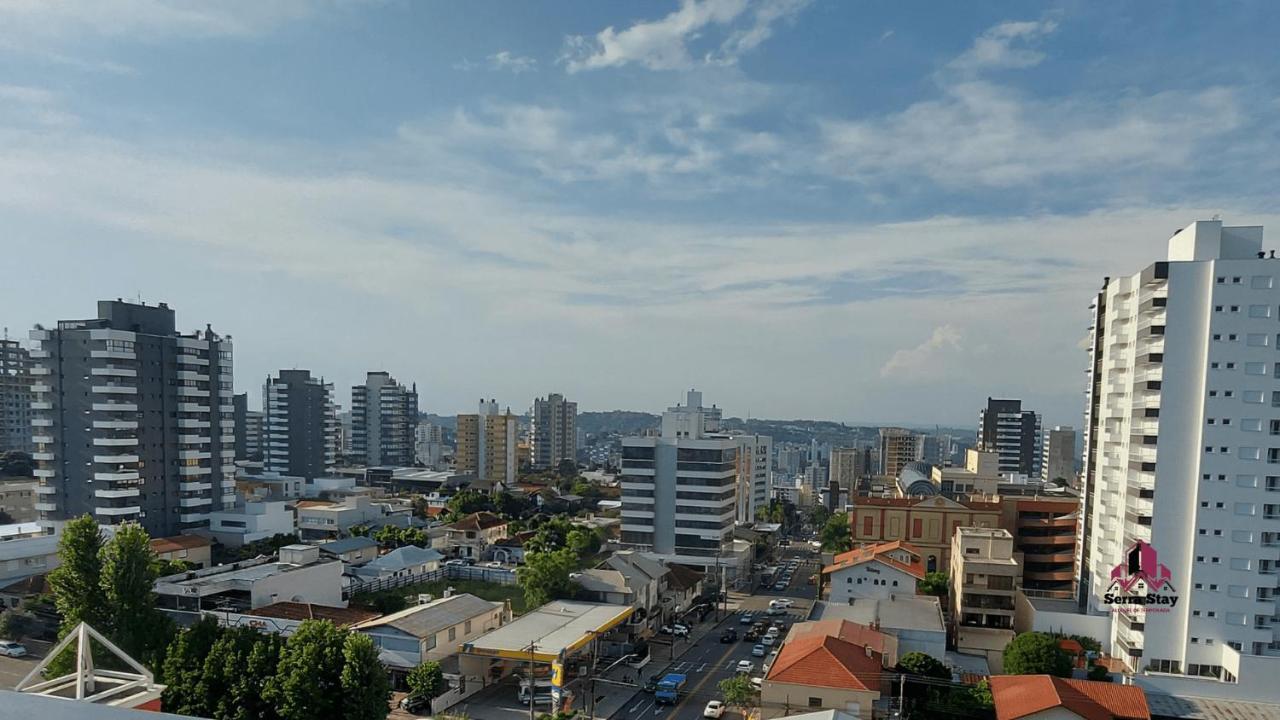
(248, 429)
(384, 414)
(555, 431)
(300, 425)
(1013, 434)
(133, 421)
(1044, 535)
(849, 465)
(15, 397)
(874, 571)
(1181, 459)
(679, 489)
(897, 448)
(755, 474)
(486, 446)
(984, 578)
(926, 523)
(428, 445)
(1058, 460)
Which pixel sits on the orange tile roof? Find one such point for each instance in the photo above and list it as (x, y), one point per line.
(1071, 646)
(432, 510)
(178, 542)
(478, 521)
(1019, 696)
(826, 661)
(847, 630)
(879, 553)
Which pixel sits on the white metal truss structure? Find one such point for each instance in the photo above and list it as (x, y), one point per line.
(89, 684)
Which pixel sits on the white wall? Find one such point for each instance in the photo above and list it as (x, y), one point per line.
(320, 584)
(870, 580)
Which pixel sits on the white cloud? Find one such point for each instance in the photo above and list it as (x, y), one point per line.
(664, 44)
(22, 19)
(927, 358)
(995, 48)
(25, 105)
(517, 64)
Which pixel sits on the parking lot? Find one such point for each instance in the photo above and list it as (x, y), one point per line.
(12, 670)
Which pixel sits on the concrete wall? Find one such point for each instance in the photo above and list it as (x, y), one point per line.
(869, 580)
(1027, 619)
(320, 584)
(779, 699)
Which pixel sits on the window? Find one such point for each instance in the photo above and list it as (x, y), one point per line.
(1260, 282)
(1221, 280)
(1238, 591)
(1242, 536)
(1240, 563)
(1257, 339)
(1195, 640)
(1251, 425)
(1235, 280)
(1231, 366)
(1212, 613)
(1235, 308)
(1217, 308)
(466, 627)
(1213, 366)
(1217, 336)
(1213, 393)
(1246, 481)
(815, 702)
(1211, 421)
(1232, 337)
(1259, 311)
(1230, 393)
(1248, 453)
(453, 633)
(1253, 396)
(1235, 618)
(1246, 509)
(1255, 368)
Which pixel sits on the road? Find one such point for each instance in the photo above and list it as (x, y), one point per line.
(709, 661)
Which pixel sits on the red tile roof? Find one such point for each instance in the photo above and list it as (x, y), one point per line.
(178, 542)
(433, 511)
(879, 553)
(478, 521)
(847, 630)
(1019, 696)
(826, 661)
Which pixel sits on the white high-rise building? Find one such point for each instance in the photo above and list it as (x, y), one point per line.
(679, 488)
(755, 474)
(1182, 466)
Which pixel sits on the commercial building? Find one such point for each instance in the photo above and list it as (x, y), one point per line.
(248, 427)
(299, 575)
(1181, 460)
(849, 465)
(132, 420)
(679, 489)
(926, 523)
(15, 396)
(555, 431)
(1013, 434)
(874, 571)
(984, 577)
(486, 446)
(897, 448)
(252, 521)
(979, 476)
(428, 445)
(301, 425)
(384, 414)
(1059, 457)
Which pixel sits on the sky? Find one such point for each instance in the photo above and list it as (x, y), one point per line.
(880, 211)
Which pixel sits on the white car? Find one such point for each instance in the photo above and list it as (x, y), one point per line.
(782, 603)
(767, 641)
(758, 651)
(455, 563)
(680, 630)
(10, 648)
(746, 666)
(714, 709)
(757, 683)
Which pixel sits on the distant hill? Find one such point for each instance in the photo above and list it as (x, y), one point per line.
(802, 431)
(625, 422)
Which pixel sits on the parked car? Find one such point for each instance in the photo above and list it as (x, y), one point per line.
(746, 619)
(757, 651)
(777, 611)
(757, 683)
(493, 564)
(782, 603)
(415, 704)
(680, 630)
(729, 635)
(714, 710)
(10, 648)
(767, 641)
(751, 636)
(780, 585)
(456, 562)
(745, 666)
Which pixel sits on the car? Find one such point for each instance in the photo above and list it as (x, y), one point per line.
(773, 632)
(813, 580)
(767, 641)
(415, 704)
(714, 709)
(780, 585)
(651, 685)
(781, 603)
(777, 611)
(680, 630)
(457, 562)
(10, 648)
(729, 635)
(757, 683)
(745, 666)
(493, 564)
(746, 619)
(751, 636)
(757, 651)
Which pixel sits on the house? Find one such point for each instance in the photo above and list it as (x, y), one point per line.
(874, 571)
(915, 620)
(472, 536)
(269, 486)
(191, 549)
(604, 586)
(16, 593)
(647, 580)
(251, 521)
(352, 550)
(323, 519)
(684, 586)
(1044, 697)
(431, 631)
(823, 672)
(298, 575)
(882, 643)
(283, 618)
(403, 561)
(26, 556)
(510, 549)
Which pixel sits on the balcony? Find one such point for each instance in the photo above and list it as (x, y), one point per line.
(115, 441)
(41, 406)
(113, 371)
(194, 424)
(116, 476)
(46, 456)
(114, 389)
(44, 472)
(118, 493)
(1058, 522)
(46, 490)
(185, 391)
(1049, 575)
(193, 517)
(40, 388)
(112, 355)
(194, 502)
(190, 471)
(1061, 557)
(115, 407)
(194, 486)
(115, 424)
(118, 511)
(115, 459)
(194, 439)
(193, 455)
(45, 506)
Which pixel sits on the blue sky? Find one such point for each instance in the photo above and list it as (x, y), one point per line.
(880, 211)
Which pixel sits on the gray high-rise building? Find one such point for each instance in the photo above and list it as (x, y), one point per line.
(1013, 434)
(15, 397)
(384, 417)
(555, 434)
(300, 425)
(133, 421)
(248, 429)
(1059, 459)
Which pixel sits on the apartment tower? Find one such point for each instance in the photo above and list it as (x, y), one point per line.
(555, 431)
(897, 448)
(486, 445)
(384, 414)
(1058, 460)
(1013, 434)
(15, 396)
(300, 425)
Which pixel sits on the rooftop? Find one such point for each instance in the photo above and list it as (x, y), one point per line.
(346, 545)
(827, 661)
(341, 617)
(927, 503)
(879, 553)
(1019, 696)
(430, 618)
(1197, 708)
(179, 542)
(560, 625)
(899, 612)
(478, 521)
(403, 557)
(847, 630)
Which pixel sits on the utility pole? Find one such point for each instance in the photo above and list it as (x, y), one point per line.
(902, 693)
(533, 688)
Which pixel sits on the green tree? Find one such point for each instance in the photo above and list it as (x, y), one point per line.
(835, 535)
(1033, 653)
(1099, 673)
(15, 625)
(980, 695)
(365, 685)
(308, 680)
(465, 502)
(934, 583)
(77, 581)
(219, 671)
(545, 575)
(183, 668)
(426, 680)
(922, 664)
(817, 516)
(737, 691)
(254, 672)
(128, 574)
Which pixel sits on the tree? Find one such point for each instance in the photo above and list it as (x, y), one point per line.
(15, 625)
(980, 695)
(935, 583)
(128, 574)
(426, 680)
(817, 516)
(77, 581)
(836, 536)
(567, 468)
(1034, 653)
(923, 665)
(737, 691)
(1099, 673)
(545, 575)
(308, 680)
(183, 668)
(465, 502)
(15, 463)
(255, 671)
(365, 685)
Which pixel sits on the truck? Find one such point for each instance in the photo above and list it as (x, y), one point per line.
(669, 688)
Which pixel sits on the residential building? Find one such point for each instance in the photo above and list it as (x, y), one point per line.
(755, 474)
(15, 396)
(270, 486)
(555, 431)
(301, 425)
(1013, 434)
(472, 536)
(679, 488)
(248, 427)
(384, 414)
(926, 523)
(603, 585)
(486, 446)
(405, 561)
(897, 448)
(27, 556)
(1181, 458)
(1040, 697)
(283, 618)
(353, 551)
(325, 519)
(937, 450)
(914, 621)
(874, 571)
(647, 580)
(1058, 460)
(881, 643)
(822, 671)
(192, 549)
(18, 500)
(298, 575)
(1044, 538)
(984, 577)
(252, 521)
(815, 478)
(849, 465)
(428, 445)
(979, 476)
(132, 420)
(432, 630)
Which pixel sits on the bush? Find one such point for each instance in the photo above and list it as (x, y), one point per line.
(1034, 653)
